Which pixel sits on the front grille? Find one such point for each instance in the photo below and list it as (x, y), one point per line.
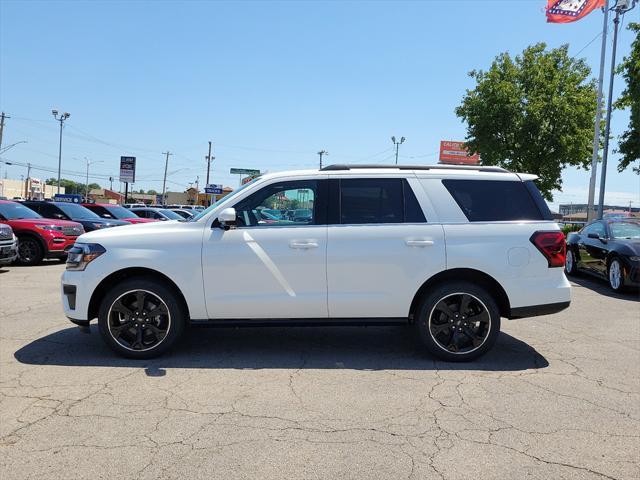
(72, 231)
(6, 234)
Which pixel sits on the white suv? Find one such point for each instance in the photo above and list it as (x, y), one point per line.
(448, 250)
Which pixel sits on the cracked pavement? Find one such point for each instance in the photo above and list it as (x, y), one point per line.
(558, 397)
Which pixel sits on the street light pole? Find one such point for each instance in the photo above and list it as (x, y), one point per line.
(321, 153)
(397, 144)
(622, 6)
(164, 182)
(86, 186)
(61, 119)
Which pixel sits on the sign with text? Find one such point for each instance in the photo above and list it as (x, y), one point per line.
(214, 189)
(244, 171)
(67, 198)
(455, 153)
(128, 169)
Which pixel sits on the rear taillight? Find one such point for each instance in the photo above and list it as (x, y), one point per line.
(552, 245)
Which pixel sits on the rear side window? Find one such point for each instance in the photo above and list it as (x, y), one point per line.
(496, 200)
(378, 200)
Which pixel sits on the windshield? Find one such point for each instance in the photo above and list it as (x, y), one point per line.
(223, 199)
(170, 214)
(77, 211)
(625, 230)
(120, 212)
(15, 211)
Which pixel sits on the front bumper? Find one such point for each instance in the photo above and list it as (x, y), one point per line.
(8, 252)
(632, 275)
(58, 246)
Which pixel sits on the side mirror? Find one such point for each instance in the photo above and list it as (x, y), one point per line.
(227, 218)
(594, 235)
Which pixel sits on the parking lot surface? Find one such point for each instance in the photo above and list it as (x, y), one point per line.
(558, 397)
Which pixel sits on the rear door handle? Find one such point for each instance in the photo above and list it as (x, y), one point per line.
(303, 244)
(419, 243)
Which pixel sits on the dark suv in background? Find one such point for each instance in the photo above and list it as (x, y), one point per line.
(74, 212)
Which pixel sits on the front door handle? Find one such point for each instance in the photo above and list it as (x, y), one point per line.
(419, 243)
(303, 244)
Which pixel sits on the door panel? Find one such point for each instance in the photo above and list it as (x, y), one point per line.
(375, 270)
(265, 272)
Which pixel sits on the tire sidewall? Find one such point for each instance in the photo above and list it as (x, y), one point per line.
(573, 270)
(621, 287)
(37, 258)
(433, 297)
(170, 298)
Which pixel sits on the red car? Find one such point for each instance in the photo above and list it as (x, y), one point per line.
(38, 237)
(107, 210)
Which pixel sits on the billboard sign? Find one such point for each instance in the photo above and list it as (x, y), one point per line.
(214, 189)
(455, 153)
(244, 171)
(67, 198)
(128, 169)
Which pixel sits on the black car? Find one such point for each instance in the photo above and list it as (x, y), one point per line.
(72, 211)
(162, 214)
(609, 249)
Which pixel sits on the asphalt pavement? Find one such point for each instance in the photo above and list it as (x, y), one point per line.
(557, 398)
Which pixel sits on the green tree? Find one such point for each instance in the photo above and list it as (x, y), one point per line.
(533, 113)
(629, 145)
(70, 186)
(152, 192)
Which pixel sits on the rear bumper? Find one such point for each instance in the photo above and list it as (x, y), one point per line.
(537, 310)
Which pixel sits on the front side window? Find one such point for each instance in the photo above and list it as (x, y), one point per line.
(378, 200)
(292, 203)
(625, 230)
(598, 228)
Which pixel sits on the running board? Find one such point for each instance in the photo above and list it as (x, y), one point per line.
(301, 322)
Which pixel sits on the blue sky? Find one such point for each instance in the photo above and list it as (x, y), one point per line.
(270, 83)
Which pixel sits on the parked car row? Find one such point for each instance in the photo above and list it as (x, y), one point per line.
(32, 230)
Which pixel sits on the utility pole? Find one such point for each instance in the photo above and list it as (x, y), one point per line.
(2, 117)
(596, 130)
(209, 158)
(61, 119)
(321, 153)
(622, 6)
(397, 144)
(26, 182)
(164, 182)
(111, 183)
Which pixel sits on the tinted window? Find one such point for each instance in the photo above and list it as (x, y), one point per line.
(77, 211)
(597, 227)
(625, 230)
(119, 212)
(16, 211)
(494, 200)
(291, 203)
(378, 200)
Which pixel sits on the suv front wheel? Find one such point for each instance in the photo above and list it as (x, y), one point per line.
(141, 318)
(458, 321)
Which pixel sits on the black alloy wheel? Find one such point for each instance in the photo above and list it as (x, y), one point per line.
(30, 251)
(141, 318)
(458, 322)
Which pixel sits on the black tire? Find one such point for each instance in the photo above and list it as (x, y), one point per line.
(570, 267)
(615, 265)
(137, 333)
(30, 251)
(445, 325)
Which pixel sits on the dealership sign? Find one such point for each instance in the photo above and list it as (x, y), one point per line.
(244, 171)
(128, 169)
(455, 153)
(214, 189)
(67, 198)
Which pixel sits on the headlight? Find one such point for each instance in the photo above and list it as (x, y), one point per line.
(57, 228)
(81, 254)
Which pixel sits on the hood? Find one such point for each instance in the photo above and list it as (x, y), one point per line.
(88, 222)
(29, 222)
(148, 230)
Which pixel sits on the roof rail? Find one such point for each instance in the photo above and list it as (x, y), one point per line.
(415, 167)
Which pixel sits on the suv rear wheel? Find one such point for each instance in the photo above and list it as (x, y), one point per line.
(141, 318)
(458, 321)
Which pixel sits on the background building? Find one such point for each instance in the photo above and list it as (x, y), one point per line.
(33, 188)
